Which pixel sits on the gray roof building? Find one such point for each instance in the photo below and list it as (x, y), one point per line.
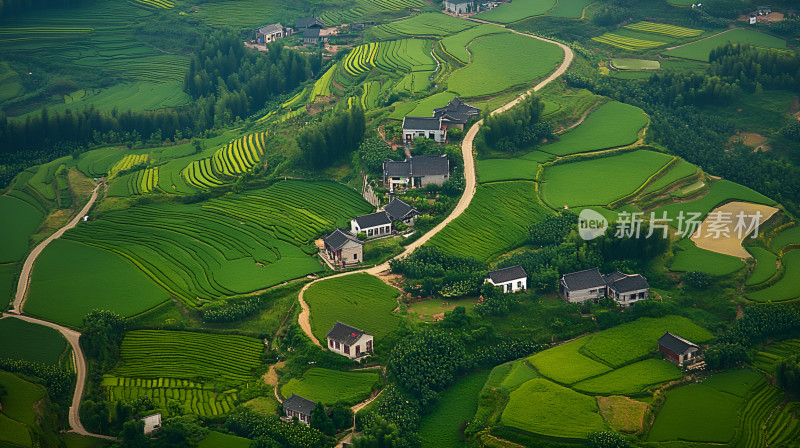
(345, 334)
(588, 279)
(398, 210)
(339, 238)
(299, 404)
(630, 283)
(614, 276)
(269, 29)
(676, 343)
(507, 274)
(417, 166)
(373, 220)
(311, 22)
(422, 123)
(456, 112)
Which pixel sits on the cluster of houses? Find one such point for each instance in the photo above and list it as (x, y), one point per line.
(455, 114)
(590, 284)
(313, 29)
(467, 7)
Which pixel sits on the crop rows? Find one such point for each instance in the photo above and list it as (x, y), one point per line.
(391, 5)
(323, 85)
(291, 102)
(185, 355)
(240, 155)
(200, 174)
(409, 55)
(139, 182)
(627, 43)
(230, 245)
(361, 59)
(766, 359)
(338, 17)
(437, 25)
(784, 425)
(127, 162)
(755, 414)
(667, 30)
(191, 396)
(156, 4)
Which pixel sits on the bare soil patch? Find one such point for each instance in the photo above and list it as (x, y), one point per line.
(622, 413)
(732, 229)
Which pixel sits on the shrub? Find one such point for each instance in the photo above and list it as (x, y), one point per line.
(606, 439)
(725, 355)
(697, 279)
(787, 375)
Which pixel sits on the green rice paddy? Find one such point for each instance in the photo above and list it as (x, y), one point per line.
(31, 342)
(216, 439)
(678, 171)
(701, 49)
(456, 45)
(635, 64)
(765, 265)
(631, 379)
(570, 9)
(441, 427)
(332, 386)
(521, 9)
(786, 237)
(689, 258)
(788, 287)
(423, 25)
(565, 364)
(18, 221)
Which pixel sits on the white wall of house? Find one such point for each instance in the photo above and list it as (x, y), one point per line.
(363, 345)
(304, 418)
(519, 284)
(438, 135)
(582, 295)
(457, 7)
(629, 298)
(372, 232)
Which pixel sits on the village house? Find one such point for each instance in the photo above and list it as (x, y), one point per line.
(342, 248)
(456, 113)
(373, 225)
(297, 406)
(676, 349)
(626, 289)
(511, 279)
(399, 211)
(314, 36)
(271, 33)
(151, 423)
(416, 171)
(349, 341)
(582, 286)
(429, 127)
(459, 6)
(308, 23)
(590, 284)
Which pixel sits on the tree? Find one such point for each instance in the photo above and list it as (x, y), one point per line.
(132, 435)
(342, 417)
(605, 439)
(321, 421)
(381, 434)
(725, 355)
(697, 279)
(787, 375)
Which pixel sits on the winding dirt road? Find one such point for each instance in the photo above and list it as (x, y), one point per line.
(469, 189)
(72, 336)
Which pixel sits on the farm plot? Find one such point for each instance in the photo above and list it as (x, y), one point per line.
(321, 88)
(225, 359)
(332, 386)
(518, 374)
(765, 266)
(368, 304)
(456, 45)
(423, 25)
(565, 364)
(585, 182)
(786, 237)
(127, 163)
(627, 43)
(788, 287)
(635, 64)
(720, 191)
(701, 49)
(62, 271)
(520, 59)
(677, 172)
(689, 258)
(570, 9)
(425, 107)
(625, 343)
(139, 95)
(494, 170)
(706, 412)
(241, 155)
(404, 55)
(441, 428)
(494, 223)
(622, 414)
(773, 353)
(216, 439)
(665, 29)
(18, 221)
(631, 379)
(517, 10)
(222, 247)
(193, 397)
(545, 408)
(18, 417)
(732, 220)
(32, 342)
(612, 124)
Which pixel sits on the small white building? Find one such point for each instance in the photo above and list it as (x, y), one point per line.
(459, 6)
(349, 341)
(511, 279)
(342, 248)
(271, 33)
(373, 225)
(297, 406)
(429, 127)
(151, 423)
(582, 286)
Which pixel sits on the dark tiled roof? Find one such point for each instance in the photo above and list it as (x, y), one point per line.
(454, 117)
(373, 220)
(339, 238)
(299, 404)
(398, 209)
(458, 111)
(269, 29)
(612, 277)
(345, 334)
(675, 343)
(587, 279)
(418, 166)
(422, 123)
(311, 33)
(631, 283)
(309, 22)
(507, 274)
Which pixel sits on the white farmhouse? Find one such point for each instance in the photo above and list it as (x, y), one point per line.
(430, 127)
(342, 248)
(151, 423)
(271, 33)
(626, 289)
(349, 341)
(374, 225)
(582, 286)
(416, 171)
(459, 6)
(511, 279)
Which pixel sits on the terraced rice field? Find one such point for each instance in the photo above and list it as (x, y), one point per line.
(677, 172)
(631, 379)
(19, 219)
(422, 25)
(788, 236)
(701, 49)
(321, 88)
(517, 10)
(635, 64)
(18, 419)
(368, 305)
(689, 258)
(788, 287)
(365, 7)
(441, 428)
(521, 59)
(627, 43)
(240, 155)
(494, 170)
(611, 125)
(216, 439)
(570, 9)
(424, 108)
(545, 408)
(766, 358)
(765, 266)
(404, 55)
(566, 365)
(332, 386)
(32, 342)
(155, 4)
(193, 397)
(494, 223)
(719, 191)
(665, 29)
(582, 183)
(456, 45)
(127, 163)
